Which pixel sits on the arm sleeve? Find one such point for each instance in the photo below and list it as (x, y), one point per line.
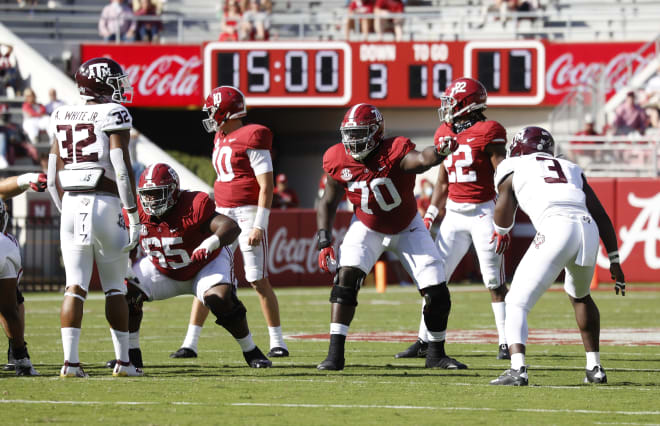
(260, 161)
(123, 180)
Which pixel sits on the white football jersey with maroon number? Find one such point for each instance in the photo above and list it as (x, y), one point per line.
(544, 185)
(80, 131)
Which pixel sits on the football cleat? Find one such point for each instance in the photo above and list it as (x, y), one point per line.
(134, 355)
(331, 364)
(512, 377)
(596, 375)
(11, 362)
(256, 359)
(184, 353)
(72, 370)
(416, 350)
(24, 367)
(278, 352)
(126, 370)
(503, 352)
(445, 362)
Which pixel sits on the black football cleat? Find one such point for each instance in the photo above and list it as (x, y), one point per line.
(331, 364)
(278, 352)
(256, 359)
(445, 362)
(512, 377)
(503, 352)
(596, 375)
(24, 367)
(416, 350)
(134, 355)
(184, 353)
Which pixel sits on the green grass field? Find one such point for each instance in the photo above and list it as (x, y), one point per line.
(218, 388)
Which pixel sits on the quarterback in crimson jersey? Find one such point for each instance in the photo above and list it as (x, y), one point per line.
(378, 174)
(464, 196)
(186, 245)
(243, 192)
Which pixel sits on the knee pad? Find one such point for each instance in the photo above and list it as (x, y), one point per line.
(348, 283)
(227, 313)
(437, 306)
(135, 299)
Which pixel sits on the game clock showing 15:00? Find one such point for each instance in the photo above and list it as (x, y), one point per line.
(385, 74)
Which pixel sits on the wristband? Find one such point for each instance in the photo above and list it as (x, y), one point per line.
(324, 239)
(431, 212)
(502, 231)
(133, 218)
(614, 256)
(211, 243)
(261, 218)
(23, 181)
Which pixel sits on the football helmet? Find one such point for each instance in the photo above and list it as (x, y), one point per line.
(531, 140)
(462, 97)
(158, 189)
(222, 104)
(362, 130)
(4, 216)
(104, 79)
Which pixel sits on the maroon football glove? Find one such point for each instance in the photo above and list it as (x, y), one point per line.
(327, 260)
(40, 184)
(503, 242)
(445, 145)
(428, 222)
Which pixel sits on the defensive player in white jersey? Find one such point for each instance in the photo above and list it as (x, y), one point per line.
(568, 218)
(90, 163)
(12, 312)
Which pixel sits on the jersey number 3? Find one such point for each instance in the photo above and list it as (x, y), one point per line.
(552, 173)
(377, 186)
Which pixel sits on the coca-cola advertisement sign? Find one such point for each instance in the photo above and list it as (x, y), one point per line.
(163, 76)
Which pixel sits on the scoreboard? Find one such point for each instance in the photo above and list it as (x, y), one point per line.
(310, 73)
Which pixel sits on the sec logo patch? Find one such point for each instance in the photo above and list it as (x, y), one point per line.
(346, 174)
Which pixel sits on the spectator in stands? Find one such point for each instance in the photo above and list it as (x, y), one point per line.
(14, 143)
(117, 19)
(424, 199)
(9, 76)
(630, 117)
(256, 22)
(283, 196)
(147, 30)
(382, 11)
(54, 102)
(35, 117)
(231, 22)
(589, 129)
(366, 24)
(653, 113)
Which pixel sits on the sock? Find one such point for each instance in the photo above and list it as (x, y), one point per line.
(276, 338)
(337, 328)
(120, 341)
(515, 326)
(246, 343)
(134, 340)
(192, 337)
(593, 359)
(337, 344)
(436, 349)
(70, 339)
(517, 360)
(499, 310)
(423, 333)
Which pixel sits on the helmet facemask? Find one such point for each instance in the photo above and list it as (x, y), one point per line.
(359, 141)
(122, 89)
(156, 200)
(447, 105)
(210, 125)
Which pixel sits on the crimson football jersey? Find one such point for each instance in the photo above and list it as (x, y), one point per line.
(170, 242)
(380, 190)
(469, 169)
(236, 184)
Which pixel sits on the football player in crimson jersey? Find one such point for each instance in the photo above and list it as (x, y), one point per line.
(187, 252)
(12, 310)
(463, 197)
(568, 218)
(244, 192)
(89, 161)
(378, 175)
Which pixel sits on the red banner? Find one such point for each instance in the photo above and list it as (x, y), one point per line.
(161, 75)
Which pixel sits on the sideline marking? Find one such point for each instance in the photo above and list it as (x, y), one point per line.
(27, 401)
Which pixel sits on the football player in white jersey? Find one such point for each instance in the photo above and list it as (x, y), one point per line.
(12, 313)
(569, 219)
(90, 165)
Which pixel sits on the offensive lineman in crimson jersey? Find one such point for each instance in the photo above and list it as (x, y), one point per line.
(244, 192)
(378, 175)
(187, 252)
(464, 196)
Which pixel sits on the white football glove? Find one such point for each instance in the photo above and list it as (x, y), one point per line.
(133, 231)
(445, 145)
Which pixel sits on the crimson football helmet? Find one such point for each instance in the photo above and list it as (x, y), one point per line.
(158, 189)
(532, 140)
(462, 97)
(222, 104)
(103, 79)
(362, 130)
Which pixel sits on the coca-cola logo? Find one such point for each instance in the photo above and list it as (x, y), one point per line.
(171, 75)
(564, 73)
(298, 255)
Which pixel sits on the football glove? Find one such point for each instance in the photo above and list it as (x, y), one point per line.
(445, 145)
(619, 279)
(503, 242)
(133, 231)
(206, 247)
(430, 215)
(36, 181)
(327, 260)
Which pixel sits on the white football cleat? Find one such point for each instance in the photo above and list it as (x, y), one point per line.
(72, 370)
(126, 370)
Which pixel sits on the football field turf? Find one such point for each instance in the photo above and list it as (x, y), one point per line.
(219, 388)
